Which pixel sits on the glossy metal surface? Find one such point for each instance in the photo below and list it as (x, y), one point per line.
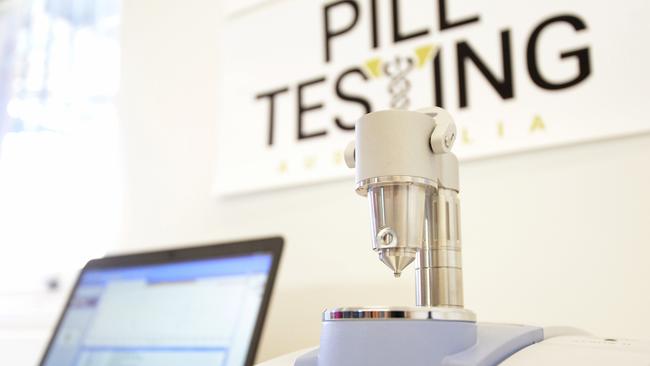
(399, 313)
(398, 220)
(363, 186)
(414, 221)
(439, 276)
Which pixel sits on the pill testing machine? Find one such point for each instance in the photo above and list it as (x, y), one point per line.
(405, 167)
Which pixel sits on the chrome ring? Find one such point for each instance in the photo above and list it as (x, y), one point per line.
(363, 185)
(399, 313)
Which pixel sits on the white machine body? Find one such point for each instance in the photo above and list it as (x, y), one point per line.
(582, 351)
(559, 350)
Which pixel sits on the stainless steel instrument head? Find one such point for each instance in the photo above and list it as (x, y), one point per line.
(404, 167)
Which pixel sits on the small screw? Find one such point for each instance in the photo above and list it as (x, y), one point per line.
(449, 139)
(52, 284)
(387, 238)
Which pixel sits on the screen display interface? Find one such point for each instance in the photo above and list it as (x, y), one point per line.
(197, 313)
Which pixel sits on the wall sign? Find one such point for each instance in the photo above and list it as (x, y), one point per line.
(295, 75)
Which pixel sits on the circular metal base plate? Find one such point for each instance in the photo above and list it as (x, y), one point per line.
(399, 313)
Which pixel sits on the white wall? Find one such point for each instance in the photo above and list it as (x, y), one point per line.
(559, 236)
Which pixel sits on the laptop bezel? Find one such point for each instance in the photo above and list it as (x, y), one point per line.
(273, 246)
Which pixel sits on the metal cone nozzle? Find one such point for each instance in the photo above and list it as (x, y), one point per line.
(398, 222)
(397, 259)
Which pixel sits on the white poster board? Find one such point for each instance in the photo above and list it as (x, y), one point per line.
(516, 75)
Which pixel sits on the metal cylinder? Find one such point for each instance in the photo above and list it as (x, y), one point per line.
(398, 210)
(439, 278)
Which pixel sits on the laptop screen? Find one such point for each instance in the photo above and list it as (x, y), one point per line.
(199, 312)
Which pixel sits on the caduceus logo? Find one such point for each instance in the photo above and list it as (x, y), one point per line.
(399, 86)
(398, 70)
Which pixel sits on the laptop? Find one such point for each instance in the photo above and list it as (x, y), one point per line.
(201, 306)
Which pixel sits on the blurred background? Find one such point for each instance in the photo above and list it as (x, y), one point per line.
(124, 127)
